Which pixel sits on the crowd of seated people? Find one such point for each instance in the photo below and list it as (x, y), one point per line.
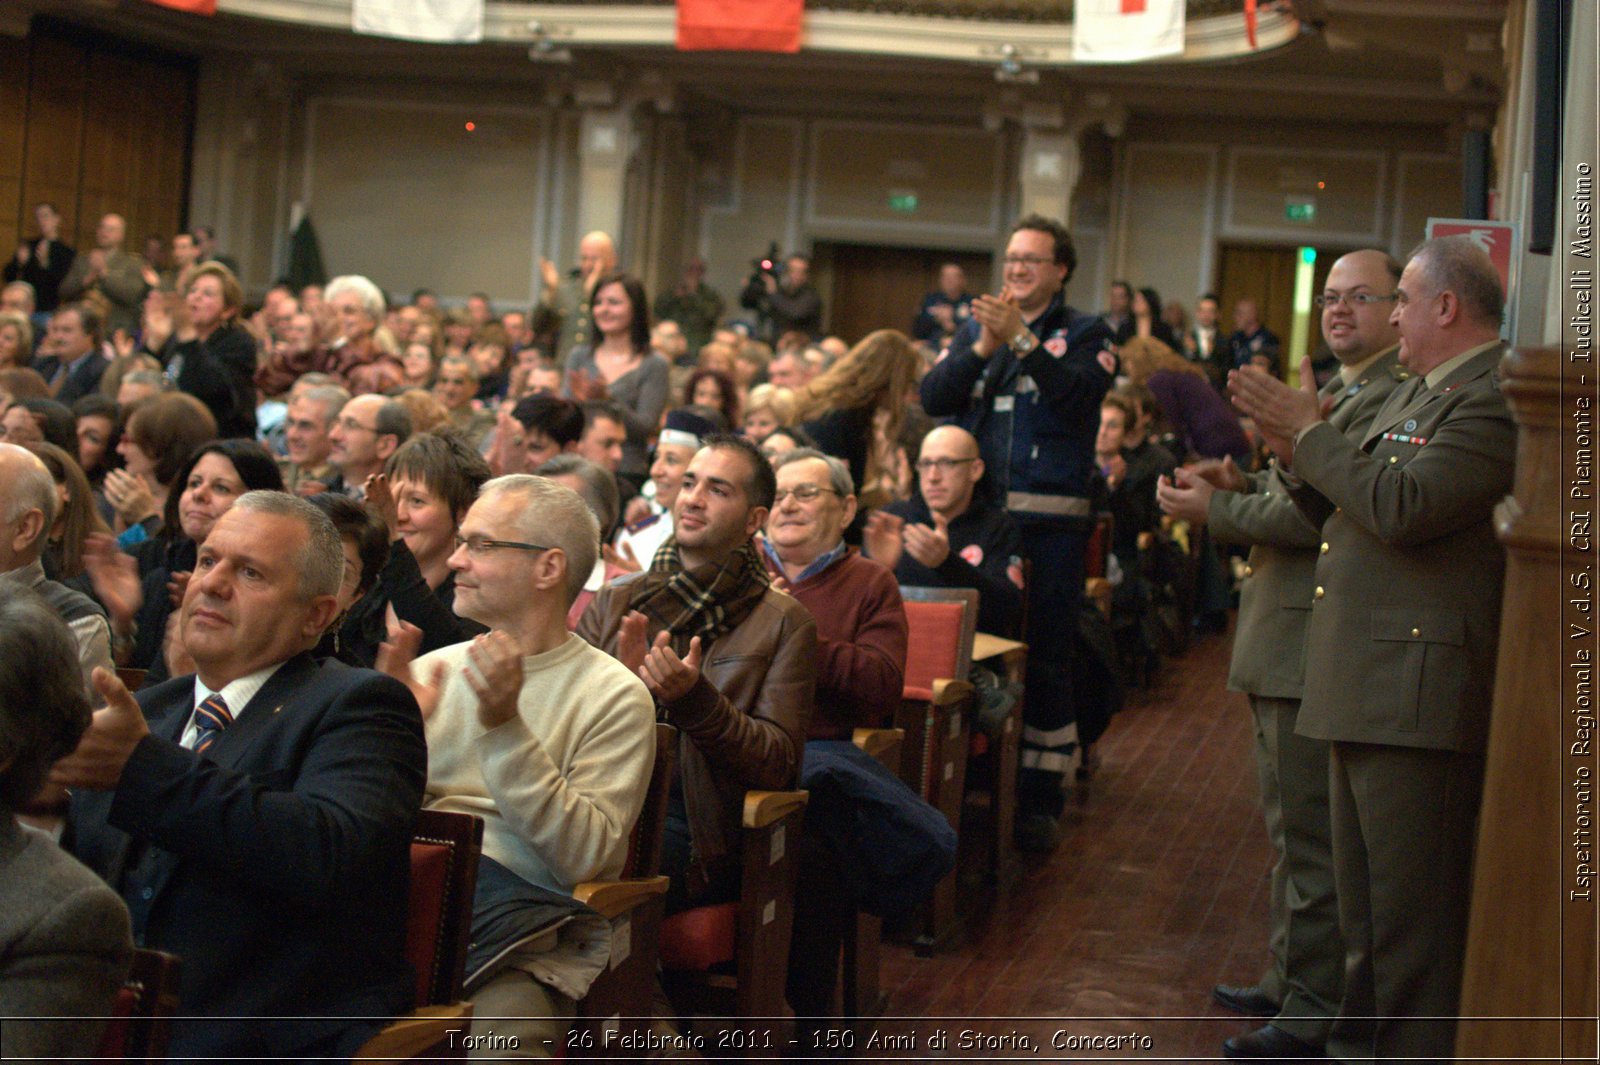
(259, 505)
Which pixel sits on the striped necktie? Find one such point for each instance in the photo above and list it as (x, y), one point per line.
(210, 718)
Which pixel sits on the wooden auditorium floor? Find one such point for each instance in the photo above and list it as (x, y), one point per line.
(1157, 892)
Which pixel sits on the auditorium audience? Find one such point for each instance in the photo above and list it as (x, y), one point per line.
(76, 519)
(69, 357)
(714, 389)
(640, 539)
(98, 430)
(312, 413)
(540, 427)
(355, 355)
(1202, 422)
(65, 942)
(257, 815)
(1144, 320)
(768, 407)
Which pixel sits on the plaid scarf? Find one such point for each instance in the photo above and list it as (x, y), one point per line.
(705, 602)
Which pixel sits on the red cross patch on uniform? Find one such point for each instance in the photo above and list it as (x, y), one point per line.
(973, 554)
(1056, 346)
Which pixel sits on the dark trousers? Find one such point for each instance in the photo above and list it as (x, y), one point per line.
(1050, 730)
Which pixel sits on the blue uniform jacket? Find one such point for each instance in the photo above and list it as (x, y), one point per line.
(1036, 417)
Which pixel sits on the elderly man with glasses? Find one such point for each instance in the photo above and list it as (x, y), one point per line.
(367, 431)
(1025, 375)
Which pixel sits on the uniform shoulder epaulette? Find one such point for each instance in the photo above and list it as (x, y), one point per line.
(1399, 373)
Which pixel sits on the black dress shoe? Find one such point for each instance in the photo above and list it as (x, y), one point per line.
(1251, 1000)
(1270, 1043)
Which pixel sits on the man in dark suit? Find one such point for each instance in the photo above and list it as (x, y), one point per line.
(1303, 987)
(257, 816)
(1400, 648)
(70, 361)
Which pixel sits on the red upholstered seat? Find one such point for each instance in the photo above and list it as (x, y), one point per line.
(700, 938)
(934, 646)
(430, 880)
(114, 1040)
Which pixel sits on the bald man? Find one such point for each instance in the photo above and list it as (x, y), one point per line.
(950, 535)
(561, 321)
(112, 272)
(1302, 986)
(28, 505)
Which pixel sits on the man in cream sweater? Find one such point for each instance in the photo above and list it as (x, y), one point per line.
(546, 738)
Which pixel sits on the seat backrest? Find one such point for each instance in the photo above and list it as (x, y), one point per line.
(444, 874)
(132, 679)
(138, 1028)
(1098, 546)
(941, 623)
(644, 842)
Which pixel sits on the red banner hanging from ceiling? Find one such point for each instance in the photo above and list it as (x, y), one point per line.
(739, 25)
(193, 7)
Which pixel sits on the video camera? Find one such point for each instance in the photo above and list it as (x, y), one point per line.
(767, 264)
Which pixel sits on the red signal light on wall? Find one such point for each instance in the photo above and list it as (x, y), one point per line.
(471, 126)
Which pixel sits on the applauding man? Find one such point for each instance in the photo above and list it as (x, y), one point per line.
(256, 816)
(950, 536)
(731, 662)
(547, 739)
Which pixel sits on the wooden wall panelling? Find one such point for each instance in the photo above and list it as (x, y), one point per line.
(15, 215)
(53, 157)
(110, 157)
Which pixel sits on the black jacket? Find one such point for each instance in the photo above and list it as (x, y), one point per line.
(220, 372)
(276, 864)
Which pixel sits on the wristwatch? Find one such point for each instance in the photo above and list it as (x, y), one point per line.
(1024, 342)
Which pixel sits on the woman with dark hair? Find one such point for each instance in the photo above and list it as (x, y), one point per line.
(158, 438)
(65, 941)
(714, 389)
(139, 593)
(1144, 320)
(97, 431)
(621, 367)
(365, 542)
(421, 496)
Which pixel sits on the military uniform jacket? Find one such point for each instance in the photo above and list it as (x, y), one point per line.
(1275, 598)
(1405, 612)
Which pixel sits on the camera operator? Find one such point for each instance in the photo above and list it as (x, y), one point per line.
(788, 305)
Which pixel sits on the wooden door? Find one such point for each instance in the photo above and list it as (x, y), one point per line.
(1263, 274)
(875, 287)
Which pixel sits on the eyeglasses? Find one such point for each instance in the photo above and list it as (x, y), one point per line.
(480, 546)
(805, 493)
(1027, 260)
(1354, 299)
(942, 465)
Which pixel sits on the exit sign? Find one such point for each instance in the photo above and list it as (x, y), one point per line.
(903, 201)
(1301, 209)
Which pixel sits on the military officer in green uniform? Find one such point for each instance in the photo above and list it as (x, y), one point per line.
(1303, 986)
(1400, 648)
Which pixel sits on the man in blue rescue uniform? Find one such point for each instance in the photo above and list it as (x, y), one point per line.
(1025, 375)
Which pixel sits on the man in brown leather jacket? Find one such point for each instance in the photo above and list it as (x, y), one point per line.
(731, 662)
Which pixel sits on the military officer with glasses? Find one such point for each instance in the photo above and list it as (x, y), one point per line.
(950, 535)
(1025, 377)
(1303, 984)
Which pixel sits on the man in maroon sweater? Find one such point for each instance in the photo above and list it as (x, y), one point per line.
(861, 659)
(861, 622)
